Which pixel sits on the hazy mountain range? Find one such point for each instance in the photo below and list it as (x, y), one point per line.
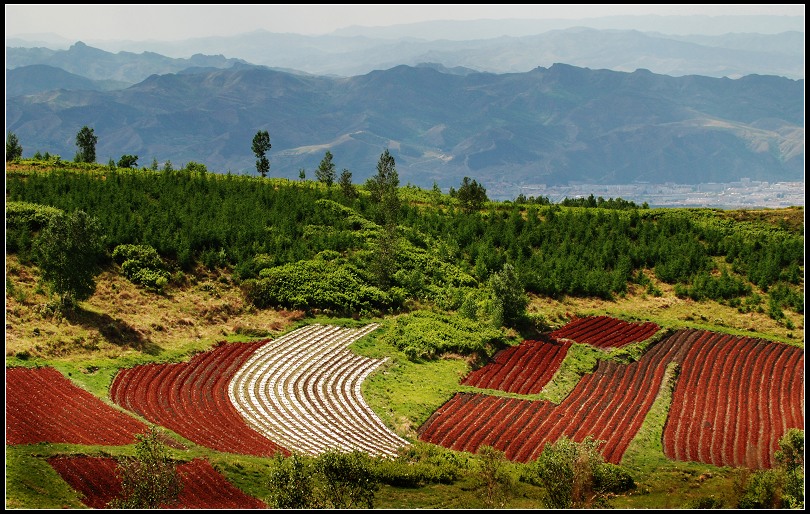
(596, 118)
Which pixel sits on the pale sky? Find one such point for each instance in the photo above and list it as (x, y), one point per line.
(141, 22)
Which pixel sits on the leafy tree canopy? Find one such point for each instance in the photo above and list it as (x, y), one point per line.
(149, 480)
(68, 250)
(86, 140)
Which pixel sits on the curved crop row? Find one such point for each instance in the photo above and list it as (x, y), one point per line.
(609, 404)
(734, 400)
(191, 398)
(42, 405)
(203, 487)
(303, 390)
(605, 331)
(522, 369)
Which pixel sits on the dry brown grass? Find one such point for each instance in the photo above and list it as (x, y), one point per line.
(670, 311)
(121, 317)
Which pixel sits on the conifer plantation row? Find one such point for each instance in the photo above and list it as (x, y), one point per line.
(299, 244)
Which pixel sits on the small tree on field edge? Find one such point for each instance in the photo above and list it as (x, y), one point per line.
(149, 480)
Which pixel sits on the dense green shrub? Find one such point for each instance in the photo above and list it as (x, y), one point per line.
(723, 287)
(142, 265)
(427, 335)
(575, 475)
(27, 215)
(419, 464)
(318, 284)
(610, 478)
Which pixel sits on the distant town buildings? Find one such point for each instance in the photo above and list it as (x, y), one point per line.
(731, 195)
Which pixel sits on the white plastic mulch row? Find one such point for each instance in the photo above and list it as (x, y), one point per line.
(303, 392)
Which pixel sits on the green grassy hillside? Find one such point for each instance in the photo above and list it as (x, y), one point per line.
(221, 288)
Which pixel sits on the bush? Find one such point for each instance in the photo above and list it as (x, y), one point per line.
(142, 265)
(318, 284)
(427, 335)
(610, 478)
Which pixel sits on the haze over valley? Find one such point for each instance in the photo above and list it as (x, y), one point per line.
(566, 110)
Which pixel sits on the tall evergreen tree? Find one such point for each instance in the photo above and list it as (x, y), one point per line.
(471, 195)
(261, 144)
(347, 188)
(326, 170)
(384, 187)
(13, 148)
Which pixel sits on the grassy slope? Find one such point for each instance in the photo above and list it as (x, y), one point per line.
(122, 325)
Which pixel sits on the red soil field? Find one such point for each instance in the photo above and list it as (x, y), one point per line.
(191, 398)
(605, 331)
(609, 404)
(522, 369)
(42, 405)
(735, 398)
(203, 487)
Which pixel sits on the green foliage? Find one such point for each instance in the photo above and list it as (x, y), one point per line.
(13, 148)
(260, 146)
(193, 167)
(783, 295)
(149, 480)
(349, 480)
(68, 251)
(471, 195)
(494, 482)
(428, 335)
(706, 286)
(142, 265)
(128, 161)
(574, 475)
(432, 253)
(348, 189)
(326, 170)
(610, 478)
(144, 255)
(601, 203)
(790, 458)
(318, 284)
(86, 140)
(509, 299)
(30, 216)
(420, 464)
(384, 264)
(383, 188)
(761, 490)
(292, 483)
